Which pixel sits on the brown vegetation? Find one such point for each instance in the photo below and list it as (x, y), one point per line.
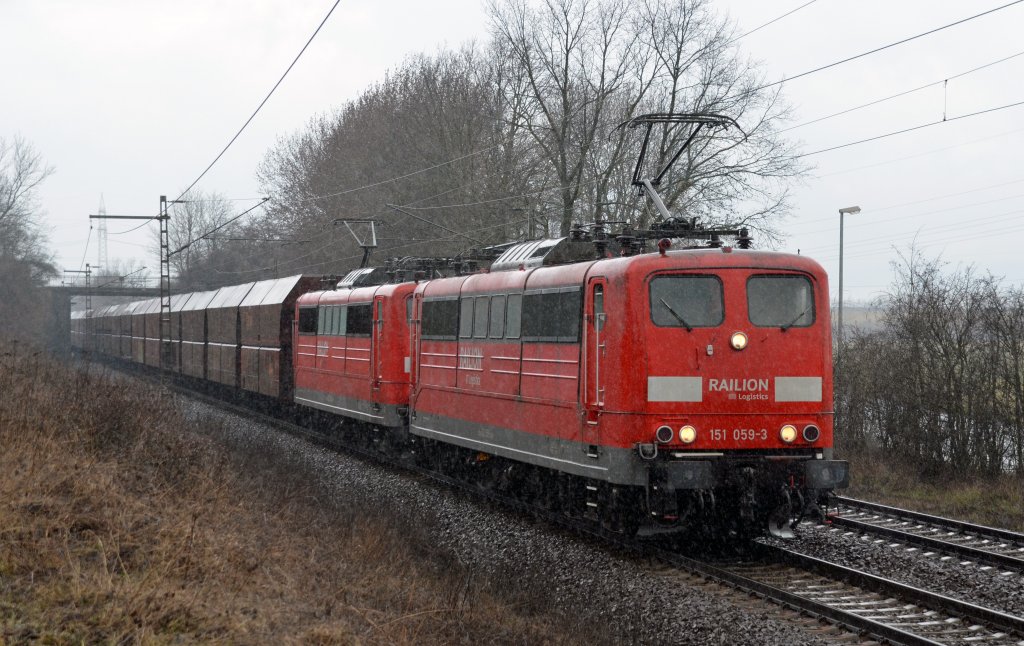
(120, 521)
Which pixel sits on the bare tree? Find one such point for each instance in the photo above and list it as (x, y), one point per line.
(576, 56)
(591, 64)
(192, 219)
(22, 170)
(25, 261)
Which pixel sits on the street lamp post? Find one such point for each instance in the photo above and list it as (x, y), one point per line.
(852, 210)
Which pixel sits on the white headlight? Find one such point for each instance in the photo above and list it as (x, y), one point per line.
(787, 433)
(738, 340)
(687, 434)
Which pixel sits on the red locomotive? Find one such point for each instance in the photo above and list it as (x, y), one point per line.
(658, 390)
(648, 391)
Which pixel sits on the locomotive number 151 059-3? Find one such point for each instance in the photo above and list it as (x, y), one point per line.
(739, 434)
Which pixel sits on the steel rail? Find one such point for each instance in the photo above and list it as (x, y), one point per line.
(1012, 625)
(959, 525)
(992, 546)
(987, 557)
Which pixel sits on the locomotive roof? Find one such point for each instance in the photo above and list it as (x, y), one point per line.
(575, 273)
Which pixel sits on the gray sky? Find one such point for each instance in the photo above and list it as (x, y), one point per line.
(134, 99)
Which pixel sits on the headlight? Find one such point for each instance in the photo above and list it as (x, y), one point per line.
(738, 341)
(787, 433)
(811, 433)
(687, 434)
(663, 434)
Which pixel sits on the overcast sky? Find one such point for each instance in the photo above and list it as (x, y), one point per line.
(132, 100)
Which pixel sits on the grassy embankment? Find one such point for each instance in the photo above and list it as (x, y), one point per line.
(122, 522)
(998, 502)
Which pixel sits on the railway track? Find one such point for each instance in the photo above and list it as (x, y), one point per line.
(988, 545)
(866, 605)
(872, 605)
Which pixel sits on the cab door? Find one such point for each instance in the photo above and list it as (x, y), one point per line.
(594, 359)
(376, 343)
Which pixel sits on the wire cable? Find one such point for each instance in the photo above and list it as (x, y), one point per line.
(86, 252)
(905, 130)
(904, 93)
(395, 179)
(218, 227)
(922, 154)
(884, 47)
(771, 22)
(263, 102)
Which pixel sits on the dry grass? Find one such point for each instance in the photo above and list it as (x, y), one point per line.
(998, 502)
(120, 524)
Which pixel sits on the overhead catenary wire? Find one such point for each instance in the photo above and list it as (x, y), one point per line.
(890, 45)
(218, 227)
(906, 130)
(263, 102)
(771, 22)
(904, 93)
(921, 154)
(86, 252)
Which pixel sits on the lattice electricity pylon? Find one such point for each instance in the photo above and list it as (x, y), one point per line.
(367, 239)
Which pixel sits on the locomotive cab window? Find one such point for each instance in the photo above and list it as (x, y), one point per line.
(307, 320)
(686, 301)
(782, 301)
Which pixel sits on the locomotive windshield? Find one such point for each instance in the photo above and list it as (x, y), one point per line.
(686, 301)
(780, 301)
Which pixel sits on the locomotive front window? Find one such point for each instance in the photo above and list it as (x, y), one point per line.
(783, 301)
(686, 301)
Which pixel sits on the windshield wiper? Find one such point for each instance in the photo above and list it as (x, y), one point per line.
(793, 322)
(679, 318)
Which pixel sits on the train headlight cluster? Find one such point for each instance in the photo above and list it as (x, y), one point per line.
(788, 433)
(738, 340)
(687, 434)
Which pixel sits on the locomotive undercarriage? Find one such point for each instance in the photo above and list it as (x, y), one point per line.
(741, 496)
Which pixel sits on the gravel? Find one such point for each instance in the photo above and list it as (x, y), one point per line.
(588, 584)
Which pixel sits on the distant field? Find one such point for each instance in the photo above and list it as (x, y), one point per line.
(122, 523)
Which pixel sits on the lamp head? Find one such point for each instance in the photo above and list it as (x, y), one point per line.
(850, 210)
